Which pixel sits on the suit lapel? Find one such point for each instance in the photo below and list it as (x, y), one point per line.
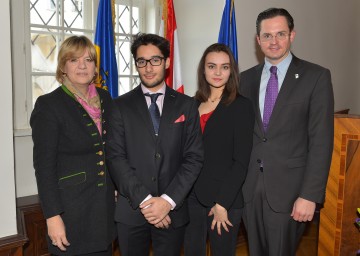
(255, 97)
(168, 109)
(289, 83)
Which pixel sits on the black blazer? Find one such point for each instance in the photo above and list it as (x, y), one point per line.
(142, 163)
(296, 150)
(227, 145)
(72, 178)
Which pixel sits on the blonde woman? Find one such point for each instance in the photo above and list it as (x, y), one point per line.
(69, 132)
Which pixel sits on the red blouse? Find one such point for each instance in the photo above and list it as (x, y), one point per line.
(203, 119)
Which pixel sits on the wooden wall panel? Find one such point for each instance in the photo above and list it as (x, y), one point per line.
(32, 224)
(12, 245)
(337, 233)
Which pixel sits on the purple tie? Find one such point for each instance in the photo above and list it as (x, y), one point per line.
(270, 96)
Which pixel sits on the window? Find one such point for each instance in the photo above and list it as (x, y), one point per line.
(132, 17)
(127, 24)
(47, 23)
(51, 22)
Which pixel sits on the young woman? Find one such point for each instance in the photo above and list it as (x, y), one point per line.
(69, 133)
(227, 121)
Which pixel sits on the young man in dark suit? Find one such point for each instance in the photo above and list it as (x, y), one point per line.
(292, 140)
(154, 155)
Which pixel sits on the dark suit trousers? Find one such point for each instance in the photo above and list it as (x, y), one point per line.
(136, 240)
(270, 233)
(200, 227)
(108, 252)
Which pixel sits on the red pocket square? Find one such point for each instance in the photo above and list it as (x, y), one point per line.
(180, 119)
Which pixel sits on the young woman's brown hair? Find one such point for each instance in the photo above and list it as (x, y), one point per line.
(231, 90)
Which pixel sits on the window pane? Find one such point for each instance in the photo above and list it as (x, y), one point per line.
(78, 33)
(78, 14)
(135, 20)
(123, 19)
(42, 85)
(135, 81)
(44, 30)
(43, 12)
(125, 85)
(134, 71)
(43, 52)
(124, 57)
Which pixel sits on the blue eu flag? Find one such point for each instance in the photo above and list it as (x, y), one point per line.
(227, 34)
(105, 49)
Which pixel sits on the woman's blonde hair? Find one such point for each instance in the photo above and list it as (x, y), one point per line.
(73, 47)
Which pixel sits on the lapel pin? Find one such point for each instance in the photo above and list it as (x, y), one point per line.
(296, 76)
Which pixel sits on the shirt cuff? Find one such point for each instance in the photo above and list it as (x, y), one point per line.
(146, 198)
(169, 200)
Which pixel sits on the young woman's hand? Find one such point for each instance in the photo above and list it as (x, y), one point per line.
(220, 218)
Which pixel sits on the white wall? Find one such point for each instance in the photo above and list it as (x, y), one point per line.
(198, 24)
(25, 173)
(7, 180)
(328, 33)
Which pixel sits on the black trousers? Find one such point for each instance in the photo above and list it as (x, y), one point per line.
(199, 229)
(136, 240)
(270, 233)
(108, 252)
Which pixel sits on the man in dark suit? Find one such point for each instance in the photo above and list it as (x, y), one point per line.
(292, 140)
(154, 155)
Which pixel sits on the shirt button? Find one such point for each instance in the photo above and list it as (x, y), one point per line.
(101, 173)
(153, 178)
(101, 162)
(261, 169)
(100, 153)
(157, 155)
(104, 132)
(264, 139)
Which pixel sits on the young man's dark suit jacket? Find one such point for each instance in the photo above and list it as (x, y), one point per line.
(296, 149)
(70, 169)
(142, 163)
